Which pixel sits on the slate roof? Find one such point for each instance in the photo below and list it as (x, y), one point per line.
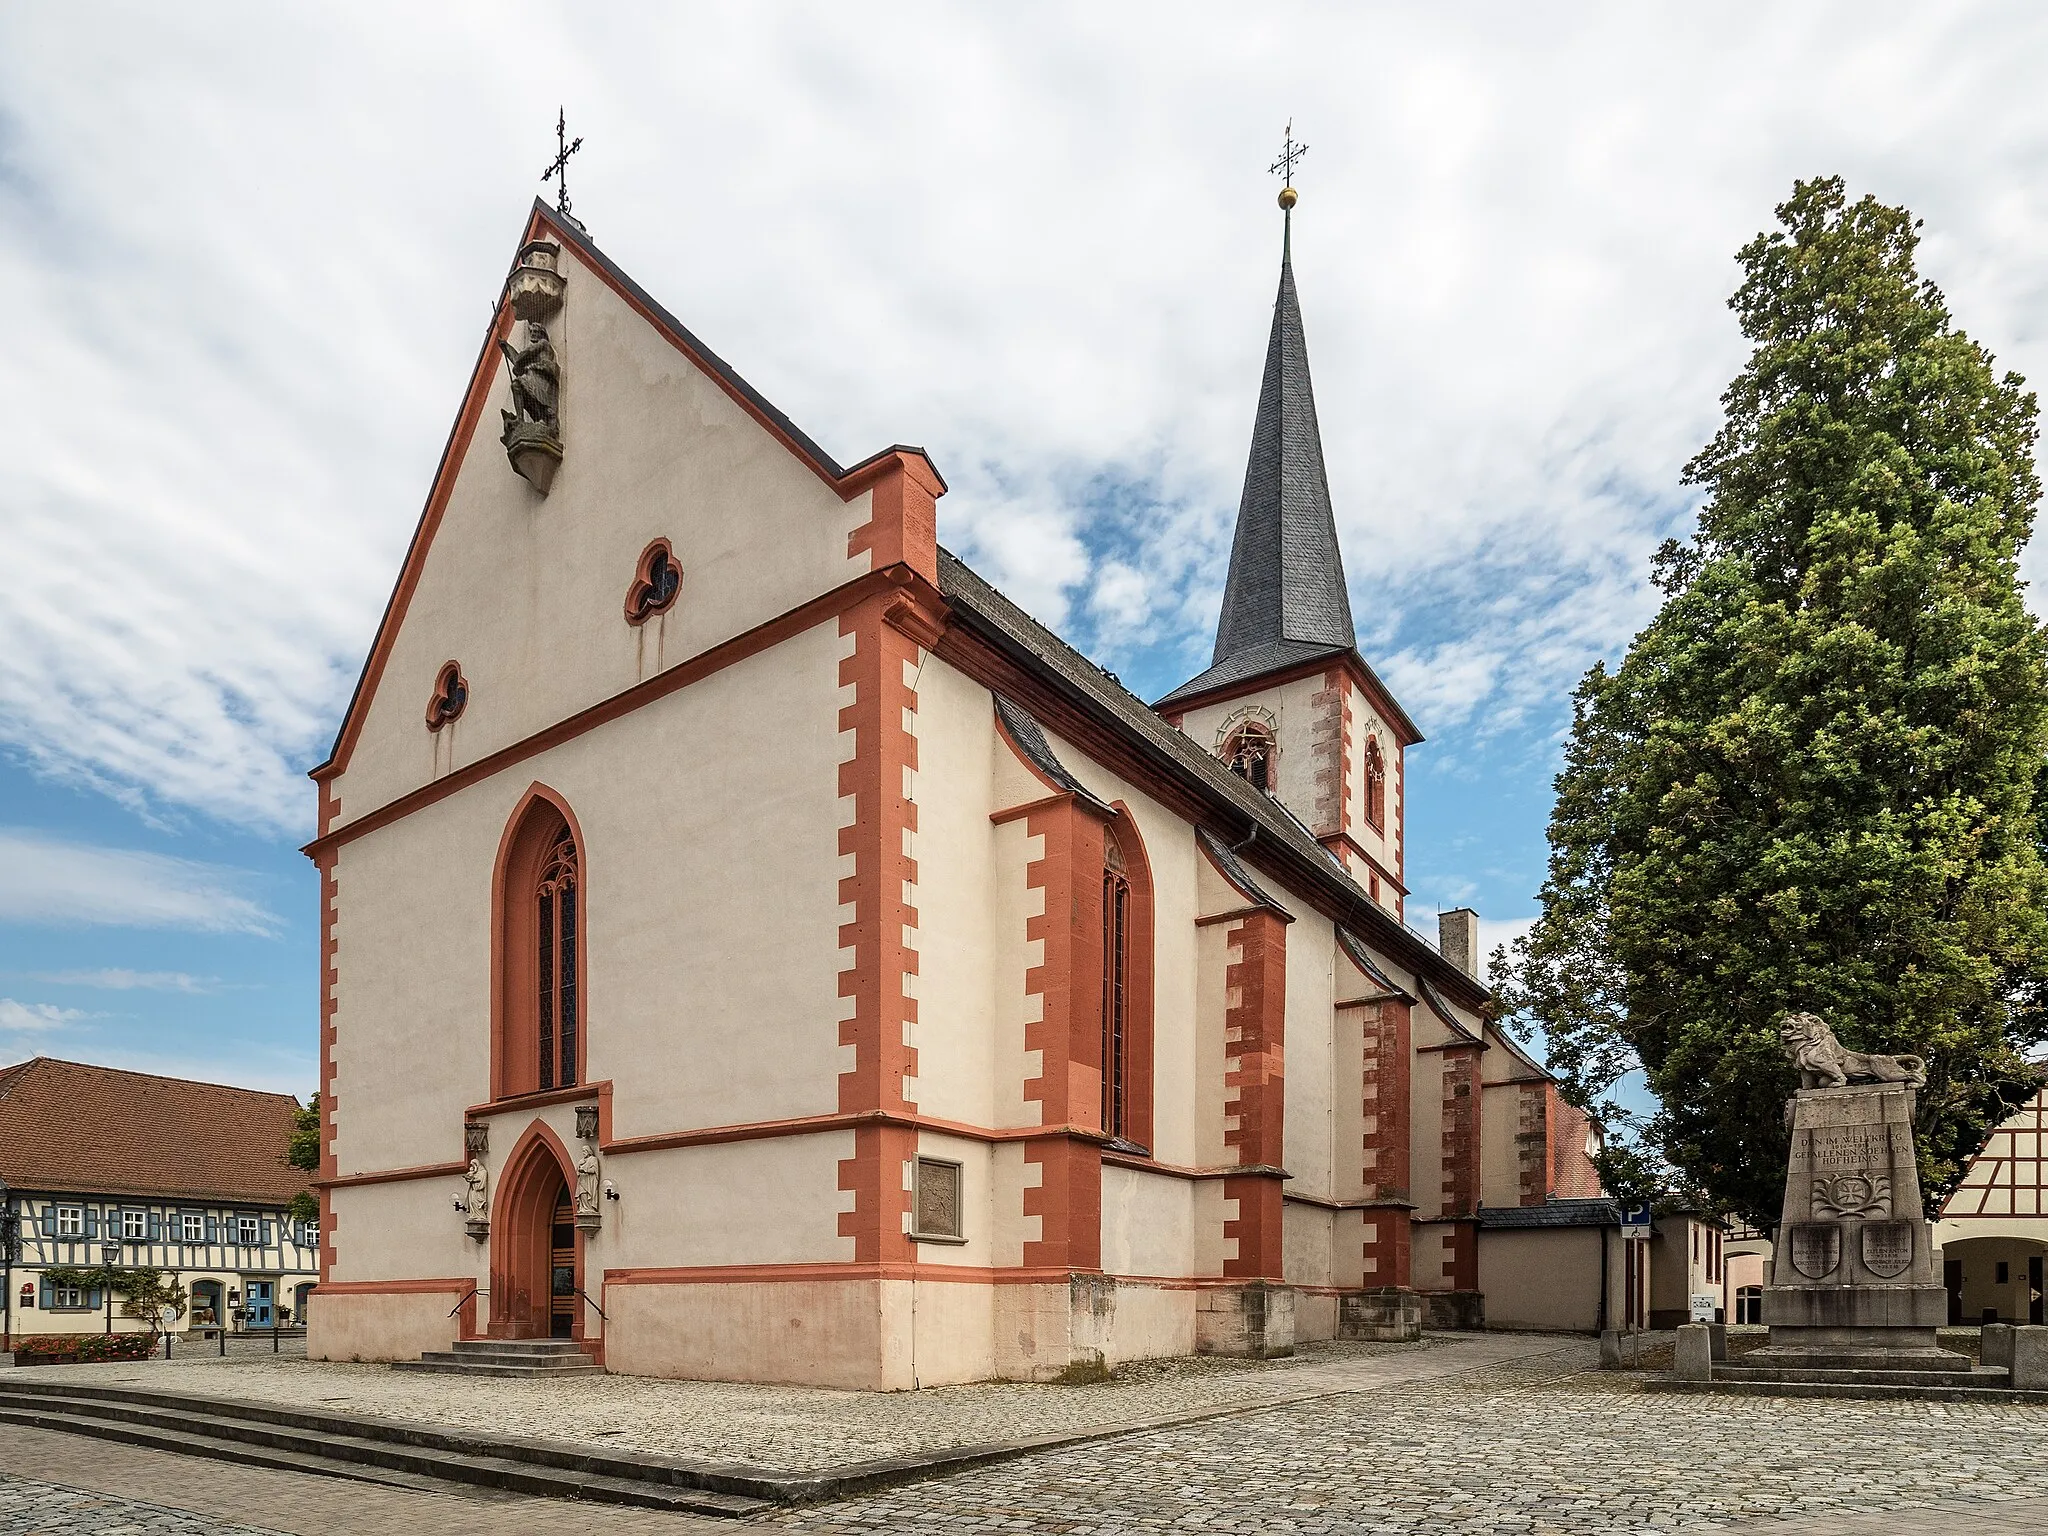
(70, 1128)
(1029, 735)
(1362, 958)
(1085, 687)
(1557, 1213)
(1284, 600)
(1227, 861)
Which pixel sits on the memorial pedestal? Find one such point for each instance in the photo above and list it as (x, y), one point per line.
(1853, 1285)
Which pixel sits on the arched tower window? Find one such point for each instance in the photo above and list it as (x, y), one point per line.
(1116, 988)
(1375, 784)
(538, 1027)
(1248, 753)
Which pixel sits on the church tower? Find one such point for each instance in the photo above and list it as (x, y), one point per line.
(1288, 702)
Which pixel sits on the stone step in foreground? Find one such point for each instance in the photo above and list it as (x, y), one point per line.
(370, 1450)
(1848, 1389)
(506, 1357)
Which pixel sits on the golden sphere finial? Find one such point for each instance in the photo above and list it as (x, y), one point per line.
(1289, 197)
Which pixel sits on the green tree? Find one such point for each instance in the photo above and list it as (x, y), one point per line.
(302, 1151)
(1810, 782)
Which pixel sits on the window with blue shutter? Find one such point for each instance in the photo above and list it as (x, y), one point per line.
(267, 1237)
(92, 1222)
(43, 1298)
(156, 1226)
(212, 1227)
(49, 1225)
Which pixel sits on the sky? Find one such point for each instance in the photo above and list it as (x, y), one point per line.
(250, 252)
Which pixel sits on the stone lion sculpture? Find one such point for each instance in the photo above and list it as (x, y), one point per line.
(1824, 1062)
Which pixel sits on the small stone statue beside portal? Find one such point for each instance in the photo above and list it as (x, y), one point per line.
(1853, 1281)
(477, 1202)
(588, 1171)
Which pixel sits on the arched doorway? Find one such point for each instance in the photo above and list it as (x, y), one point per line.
(536, 1250)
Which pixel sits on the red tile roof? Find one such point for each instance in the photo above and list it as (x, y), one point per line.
(69, 1128)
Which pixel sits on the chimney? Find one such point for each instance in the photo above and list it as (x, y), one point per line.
(1457, 938)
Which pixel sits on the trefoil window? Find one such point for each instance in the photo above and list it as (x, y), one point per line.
(656, 581)
(556, 933)
(450, 698)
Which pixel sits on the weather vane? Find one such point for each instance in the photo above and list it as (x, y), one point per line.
(558, 168)
(1290, 152)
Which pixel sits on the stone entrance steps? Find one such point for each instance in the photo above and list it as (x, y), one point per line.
(383, 1451)
(1865, 1376)
(506, 1357)
(1915, 1393)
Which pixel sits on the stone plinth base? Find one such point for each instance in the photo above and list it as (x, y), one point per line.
(1855, 1309)
(1390, 1314)
(1253, 1321)
(1464, 1311)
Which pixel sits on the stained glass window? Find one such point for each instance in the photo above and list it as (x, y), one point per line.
(1116, 976)
(556, 937)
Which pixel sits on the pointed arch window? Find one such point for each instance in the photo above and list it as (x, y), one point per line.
(1375, 784)
(1116, 989)
(1249, 754)
(538, 1026)
(555, 935)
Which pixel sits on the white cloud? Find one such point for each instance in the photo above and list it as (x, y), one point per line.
(37, 1018)
(116, 979)
(250, 263)
(49, 880)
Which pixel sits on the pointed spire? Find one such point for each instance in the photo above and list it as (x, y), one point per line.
(1286, 580)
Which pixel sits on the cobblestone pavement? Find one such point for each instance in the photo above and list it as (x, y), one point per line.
(54, 1484)
(802, 1429)
(1527, 1447)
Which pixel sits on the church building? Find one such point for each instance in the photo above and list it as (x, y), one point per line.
(754, 948)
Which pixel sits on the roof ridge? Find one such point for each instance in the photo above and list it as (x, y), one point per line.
(161, 1077)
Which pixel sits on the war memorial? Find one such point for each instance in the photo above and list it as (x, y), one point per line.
(1855, 1294)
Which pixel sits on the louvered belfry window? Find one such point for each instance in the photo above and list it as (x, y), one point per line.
(556, 933)
(1116, 988)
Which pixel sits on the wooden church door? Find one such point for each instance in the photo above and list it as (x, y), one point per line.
(562, 1270)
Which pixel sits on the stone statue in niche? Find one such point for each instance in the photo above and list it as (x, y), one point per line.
(588, 1172)
(533, 428)
(476, 1201)
(1824, 1062)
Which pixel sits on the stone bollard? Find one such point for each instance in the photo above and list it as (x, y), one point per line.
(1693, 1358)
(1997, 1349)
(1718, 1333)
(1610, 1350)
(2030, 1358)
